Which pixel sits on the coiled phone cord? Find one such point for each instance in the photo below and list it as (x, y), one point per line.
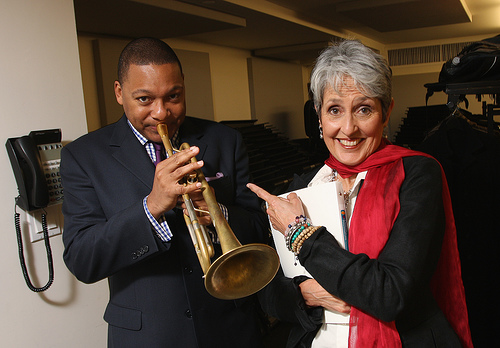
(21, 253)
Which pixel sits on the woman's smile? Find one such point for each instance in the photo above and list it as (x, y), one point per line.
(349, 143)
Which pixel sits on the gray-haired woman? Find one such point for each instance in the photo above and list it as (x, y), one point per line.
(394, 278)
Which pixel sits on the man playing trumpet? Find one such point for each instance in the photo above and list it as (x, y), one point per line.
(121, 220)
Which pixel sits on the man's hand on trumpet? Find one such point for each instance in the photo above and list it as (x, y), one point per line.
(166, 186)
(201, 206)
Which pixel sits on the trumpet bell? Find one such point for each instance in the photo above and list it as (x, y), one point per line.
(242, 271)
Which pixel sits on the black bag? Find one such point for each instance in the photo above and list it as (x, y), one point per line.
(479, 61)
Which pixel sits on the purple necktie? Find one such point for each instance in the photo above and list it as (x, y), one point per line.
(159, 153)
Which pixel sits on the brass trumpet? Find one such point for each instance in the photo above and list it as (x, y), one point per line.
(241, 270)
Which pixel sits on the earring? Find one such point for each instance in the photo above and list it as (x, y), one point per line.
(384, 133)
(320, 132)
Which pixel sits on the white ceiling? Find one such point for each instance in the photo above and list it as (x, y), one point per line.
(289, 29)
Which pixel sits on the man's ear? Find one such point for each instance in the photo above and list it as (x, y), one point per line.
(118, 92)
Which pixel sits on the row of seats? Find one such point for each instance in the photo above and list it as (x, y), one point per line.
(273, 158)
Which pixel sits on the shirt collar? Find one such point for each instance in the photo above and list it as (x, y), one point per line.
(138, 135)
(326, 174)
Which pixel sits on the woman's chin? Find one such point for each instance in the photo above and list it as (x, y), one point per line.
(350, 160)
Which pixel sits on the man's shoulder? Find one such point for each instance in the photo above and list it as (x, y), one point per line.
(201, 122)
(93, 139)
(209, 127)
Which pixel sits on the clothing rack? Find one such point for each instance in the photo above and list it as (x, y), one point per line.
(457, 93)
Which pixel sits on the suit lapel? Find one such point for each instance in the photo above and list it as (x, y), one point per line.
(130, 153)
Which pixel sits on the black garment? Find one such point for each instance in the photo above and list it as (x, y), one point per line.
(471, 161)
(395, 286)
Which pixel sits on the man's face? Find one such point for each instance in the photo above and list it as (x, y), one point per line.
(152, 94)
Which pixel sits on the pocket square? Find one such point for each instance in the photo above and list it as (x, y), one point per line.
(218, 175)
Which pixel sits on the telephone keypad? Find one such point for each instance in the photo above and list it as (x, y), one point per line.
(50, 155)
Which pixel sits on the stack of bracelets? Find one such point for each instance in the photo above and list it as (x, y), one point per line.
(297, 233)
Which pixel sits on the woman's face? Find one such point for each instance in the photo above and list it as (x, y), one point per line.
(352, 123)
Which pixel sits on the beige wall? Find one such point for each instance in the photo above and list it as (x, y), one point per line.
(41, 88)
(280, 86)
(277, 95)
(105, 54)
(226, 67)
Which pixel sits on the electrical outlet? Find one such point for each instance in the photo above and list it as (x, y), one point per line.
(34, 220)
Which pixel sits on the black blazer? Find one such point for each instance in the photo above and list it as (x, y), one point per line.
(157, 295)
(396, 286)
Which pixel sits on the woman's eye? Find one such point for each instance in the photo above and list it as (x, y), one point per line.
(365, 111)
(335, 111)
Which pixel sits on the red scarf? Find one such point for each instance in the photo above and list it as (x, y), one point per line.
(370, 230)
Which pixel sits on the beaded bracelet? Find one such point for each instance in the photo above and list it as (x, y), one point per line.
(304, 236)
(301, 237)
(294, 230)
(299, 221)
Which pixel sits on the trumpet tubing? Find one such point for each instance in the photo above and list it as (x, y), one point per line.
(201, 241)
(241, 270)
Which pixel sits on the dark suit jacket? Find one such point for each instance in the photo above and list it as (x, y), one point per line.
(395, 286)
(157, 295)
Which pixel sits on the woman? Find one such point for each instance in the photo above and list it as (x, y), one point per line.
(398, 276)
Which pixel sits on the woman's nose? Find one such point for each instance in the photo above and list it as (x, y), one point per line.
(349, 125)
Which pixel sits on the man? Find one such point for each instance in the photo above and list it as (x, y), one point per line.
(121, 220)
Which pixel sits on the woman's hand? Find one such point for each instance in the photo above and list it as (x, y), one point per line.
(281, 211)
(316, 296)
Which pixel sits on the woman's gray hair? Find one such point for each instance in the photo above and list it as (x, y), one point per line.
(370, 71)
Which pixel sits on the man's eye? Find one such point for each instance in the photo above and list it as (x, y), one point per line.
(174, 96)
(143, 99)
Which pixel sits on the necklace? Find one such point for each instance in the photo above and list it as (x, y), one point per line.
(346, 194)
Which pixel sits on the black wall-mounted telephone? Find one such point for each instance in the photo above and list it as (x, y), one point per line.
(35, 160)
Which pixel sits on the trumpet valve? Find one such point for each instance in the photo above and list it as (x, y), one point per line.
(191, 178)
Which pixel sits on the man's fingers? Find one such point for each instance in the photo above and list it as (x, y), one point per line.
(176, 168)
(180, 158)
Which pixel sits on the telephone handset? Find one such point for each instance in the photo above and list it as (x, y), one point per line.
(35, 160)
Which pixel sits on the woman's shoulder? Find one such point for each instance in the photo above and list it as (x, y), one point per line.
(422, 171)
(421, 163)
